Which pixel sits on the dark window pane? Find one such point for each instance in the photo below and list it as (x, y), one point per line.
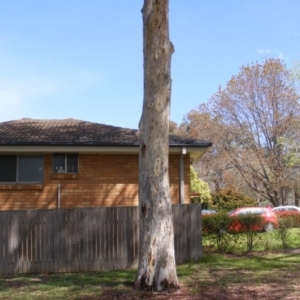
(59, 163)
(8, 168)
(72, 163)
(30, 169)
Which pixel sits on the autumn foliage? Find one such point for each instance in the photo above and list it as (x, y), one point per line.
(247, 121)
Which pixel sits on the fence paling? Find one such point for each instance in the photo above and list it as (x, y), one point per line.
(90, 239)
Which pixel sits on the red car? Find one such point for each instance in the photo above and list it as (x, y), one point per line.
(268, 220)
(286, 210)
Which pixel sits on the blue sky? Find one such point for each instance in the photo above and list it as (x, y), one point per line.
(83, 59)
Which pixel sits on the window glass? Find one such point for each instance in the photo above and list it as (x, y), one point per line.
(30, 169)
(65, 163)
(59, 163)
(280, 209)
(8, 168)
(72, 163)
(21, 168)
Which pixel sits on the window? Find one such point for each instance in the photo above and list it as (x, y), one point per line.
(65, 163)
(292, 209)
(251, 211)
(21, 168)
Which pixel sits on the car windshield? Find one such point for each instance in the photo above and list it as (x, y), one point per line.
(277, 209)
(208, 211)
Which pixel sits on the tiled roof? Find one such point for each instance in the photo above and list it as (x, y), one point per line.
(75, 132)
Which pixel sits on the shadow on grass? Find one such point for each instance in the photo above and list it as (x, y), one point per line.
(213, 270)
(122, 278)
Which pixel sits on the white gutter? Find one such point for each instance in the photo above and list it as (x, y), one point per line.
(181, 186)
(194, 152)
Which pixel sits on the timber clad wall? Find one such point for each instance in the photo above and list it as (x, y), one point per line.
(78, 240)
(102, 180)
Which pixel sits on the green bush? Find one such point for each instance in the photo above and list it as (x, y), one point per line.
(227, 200)
(215, 222)
(285, 224)
(220, 226)
(201, 187)
(249, 224)
(217, 226)
(246, 223)
(296, 219)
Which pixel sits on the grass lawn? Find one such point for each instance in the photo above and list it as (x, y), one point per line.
(246, 276)
(262, 241)
(258, 274)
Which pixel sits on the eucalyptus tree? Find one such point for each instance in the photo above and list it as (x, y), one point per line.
(156, 266)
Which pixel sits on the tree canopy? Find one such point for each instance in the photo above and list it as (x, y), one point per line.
(246, 121)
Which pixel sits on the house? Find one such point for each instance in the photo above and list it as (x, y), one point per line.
(71, 163)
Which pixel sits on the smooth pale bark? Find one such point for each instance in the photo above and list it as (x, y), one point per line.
(157, 267)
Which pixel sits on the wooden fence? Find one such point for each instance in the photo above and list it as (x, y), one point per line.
(92, 239)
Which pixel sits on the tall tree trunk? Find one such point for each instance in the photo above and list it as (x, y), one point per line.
(157, 268)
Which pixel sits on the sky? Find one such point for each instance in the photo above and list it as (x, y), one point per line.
(83, 59)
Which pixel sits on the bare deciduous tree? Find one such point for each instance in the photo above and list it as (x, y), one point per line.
(246, 121)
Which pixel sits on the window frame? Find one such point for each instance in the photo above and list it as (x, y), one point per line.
(17, 171)
(64, 169)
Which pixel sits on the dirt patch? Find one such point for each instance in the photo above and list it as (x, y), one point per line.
(274, 291)
(180, 294)
(265, 292)
(282, 284)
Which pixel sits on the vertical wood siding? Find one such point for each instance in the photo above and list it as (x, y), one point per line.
(83, 240)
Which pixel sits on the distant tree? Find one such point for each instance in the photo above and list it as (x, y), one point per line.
(178, 130)
(295, 74)
(291, 150)
(173, 127)
(246, 121)
(215, 167)
(200, 187)
(156, 264)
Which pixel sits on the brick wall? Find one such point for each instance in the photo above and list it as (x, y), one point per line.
(102, 180)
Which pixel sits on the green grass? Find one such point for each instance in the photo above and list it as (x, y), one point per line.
(263, 241)
(63, 285)
(213, 273)
(216, 271)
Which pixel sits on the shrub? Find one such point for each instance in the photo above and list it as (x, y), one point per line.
(216, 226)
(226, 200)
(295, 220)
(285, 224)
(200, 187)
(220, 228)
(249, 224)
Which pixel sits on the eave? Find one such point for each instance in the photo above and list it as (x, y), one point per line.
(195, 152)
